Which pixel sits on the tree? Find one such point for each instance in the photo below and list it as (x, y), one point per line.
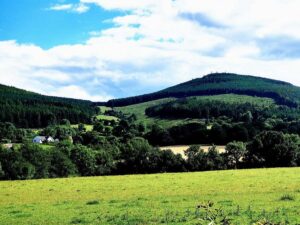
(215, 160)
(235, 152)
(2, 173)
(104, 162)
(196, 158)
(159, 136)
(65, 122)
(98, 126)
(23, 170)
(84, 159)
(61, 165)
(137, 156)
(169, 162)
(37, 157)
(273, 149)
(81, 127)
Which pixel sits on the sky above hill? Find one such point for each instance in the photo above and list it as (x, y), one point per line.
(102, 49)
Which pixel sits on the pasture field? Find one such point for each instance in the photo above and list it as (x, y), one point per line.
(179, 149)
(245, 196)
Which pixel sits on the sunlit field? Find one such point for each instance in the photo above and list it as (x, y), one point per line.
(244, 196)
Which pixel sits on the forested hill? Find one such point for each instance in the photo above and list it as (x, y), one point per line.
(223, 83)
(28, 109)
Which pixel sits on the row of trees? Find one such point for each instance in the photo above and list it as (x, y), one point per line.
(136, 155)
(195, 133)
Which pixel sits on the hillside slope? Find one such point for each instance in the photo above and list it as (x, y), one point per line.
(282, 93)
(29, 109)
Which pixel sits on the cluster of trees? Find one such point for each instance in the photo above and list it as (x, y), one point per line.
(65, 159)
(9, 133)
(30, 110)
(195, 133)
(227, 121)
(204, 109)
(201, 108)
(136, 155)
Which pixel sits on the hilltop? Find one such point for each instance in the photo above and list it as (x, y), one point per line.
(282, 93)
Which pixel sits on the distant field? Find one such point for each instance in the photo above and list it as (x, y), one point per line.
(103, 109)
(179, 149)
(245, 195)
(105, 117)
(88, 127)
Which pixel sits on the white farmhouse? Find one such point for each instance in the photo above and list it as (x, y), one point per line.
(50, 139)
(39, 139)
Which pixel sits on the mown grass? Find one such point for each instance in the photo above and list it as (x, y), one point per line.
(139, 109)
(245, 196)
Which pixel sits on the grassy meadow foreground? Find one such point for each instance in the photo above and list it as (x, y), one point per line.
(246, 196)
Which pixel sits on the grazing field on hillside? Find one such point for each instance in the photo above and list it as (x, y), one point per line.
(139, 109)
(233, 98)
(179, 149)
(245, 196)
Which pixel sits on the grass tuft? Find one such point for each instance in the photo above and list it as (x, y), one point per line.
(287, 197)
(93, 202)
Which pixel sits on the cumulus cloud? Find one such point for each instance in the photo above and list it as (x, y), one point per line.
(160, 43)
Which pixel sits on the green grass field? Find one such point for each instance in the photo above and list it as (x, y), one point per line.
(245, 195)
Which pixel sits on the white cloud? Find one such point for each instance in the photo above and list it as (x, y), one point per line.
(78, 8)
(152, 45)
(73, 91)
(61, 7)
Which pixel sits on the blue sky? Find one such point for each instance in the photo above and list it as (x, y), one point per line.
(103, 49)
(32, 21)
